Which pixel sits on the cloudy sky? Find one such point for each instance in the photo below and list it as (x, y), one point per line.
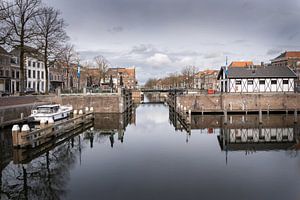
(162, 36)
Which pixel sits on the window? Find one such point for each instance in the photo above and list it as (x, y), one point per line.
(33, 64)
(29, 73)
(33, 74)
(238, 82)
(29, 63)
(33, 84)
(285, 82)
(42, 85)
(13, 73)
(1, 72)
(38, 65)
(42, 75)
(38, 74)
(18, 74)
(29, 84)
(262, 82)
(7, 73)
(273, 82)
(250, 82)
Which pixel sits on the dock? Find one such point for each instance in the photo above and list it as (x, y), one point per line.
(28, 138)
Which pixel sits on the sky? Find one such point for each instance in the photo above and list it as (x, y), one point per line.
(160, 37)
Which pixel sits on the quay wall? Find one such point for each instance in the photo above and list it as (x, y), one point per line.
(237, 102)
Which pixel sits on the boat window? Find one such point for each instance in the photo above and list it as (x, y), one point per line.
(44, 110)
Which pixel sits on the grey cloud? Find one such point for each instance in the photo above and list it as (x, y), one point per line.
(202, 31)
(272, 52)
(116, 29)
(145, 49)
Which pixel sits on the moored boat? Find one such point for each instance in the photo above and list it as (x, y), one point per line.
(50, 112)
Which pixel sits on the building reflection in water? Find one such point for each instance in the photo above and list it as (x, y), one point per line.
(245, 133)
(44, 172)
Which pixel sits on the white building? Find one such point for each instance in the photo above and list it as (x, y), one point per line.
(259, 79)
(35, 76)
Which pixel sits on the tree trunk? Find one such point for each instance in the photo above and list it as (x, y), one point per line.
(46, 67)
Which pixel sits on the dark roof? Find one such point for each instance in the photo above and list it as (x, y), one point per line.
(288, 54)
(261, 72)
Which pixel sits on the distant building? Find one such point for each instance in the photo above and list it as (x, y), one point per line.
(207, 79)
(5, 71)
(122, 76)
(35, 76)
(241, 64)
(261, 79)
(289, 59)
(56, 78)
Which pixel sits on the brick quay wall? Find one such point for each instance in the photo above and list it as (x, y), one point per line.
(12, 107)
(199, 103)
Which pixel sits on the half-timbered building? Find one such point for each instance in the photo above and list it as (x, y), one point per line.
(256, 79)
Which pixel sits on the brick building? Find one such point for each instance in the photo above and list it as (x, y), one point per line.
(125, 76)
(206, 79)
(289, 59)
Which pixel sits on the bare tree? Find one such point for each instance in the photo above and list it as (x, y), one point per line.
(4, 28)
(51, 34)
(67, 55)
(102, 64)
(19, 17)
(189, 74)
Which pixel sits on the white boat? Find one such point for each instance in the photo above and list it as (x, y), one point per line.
(50, 112)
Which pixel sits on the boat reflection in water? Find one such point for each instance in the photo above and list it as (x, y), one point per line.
(44, 172)
(245, 133)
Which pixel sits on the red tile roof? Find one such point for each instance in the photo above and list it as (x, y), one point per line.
(241, 64)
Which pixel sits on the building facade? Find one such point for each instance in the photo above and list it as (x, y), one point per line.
(35, 75)
(5, 71)
(206, 80)
(252, 80)
(289, 59)
(122, 76)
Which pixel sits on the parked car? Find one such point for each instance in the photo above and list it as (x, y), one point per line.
(30, 91)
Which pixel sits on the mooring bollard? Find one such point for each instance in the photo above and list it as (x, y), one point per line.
(21, 137)
(22, 116)
(87, 109)
(15, 132)
(43, 123)
(51, 121)
(91, 109)
(75, 112)
(80, 112)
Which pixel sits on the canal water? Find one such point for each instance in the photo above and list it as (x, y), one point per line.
(147, 154)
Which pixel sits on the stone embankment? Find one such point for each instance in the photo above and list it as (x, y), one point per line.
(243, 103)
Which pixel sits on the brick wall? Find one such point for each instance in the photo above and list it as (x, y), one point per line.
(238, 102)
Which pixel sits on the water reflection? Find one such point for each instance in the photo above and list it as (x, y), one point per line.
(244, 132)
(44, 172)
(129, 157)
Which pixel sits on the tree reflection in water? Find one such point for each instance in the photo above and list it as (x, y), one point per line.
(45, 177)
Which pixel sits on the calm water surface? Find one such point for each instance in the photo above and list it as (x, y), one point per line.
(142, 156)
